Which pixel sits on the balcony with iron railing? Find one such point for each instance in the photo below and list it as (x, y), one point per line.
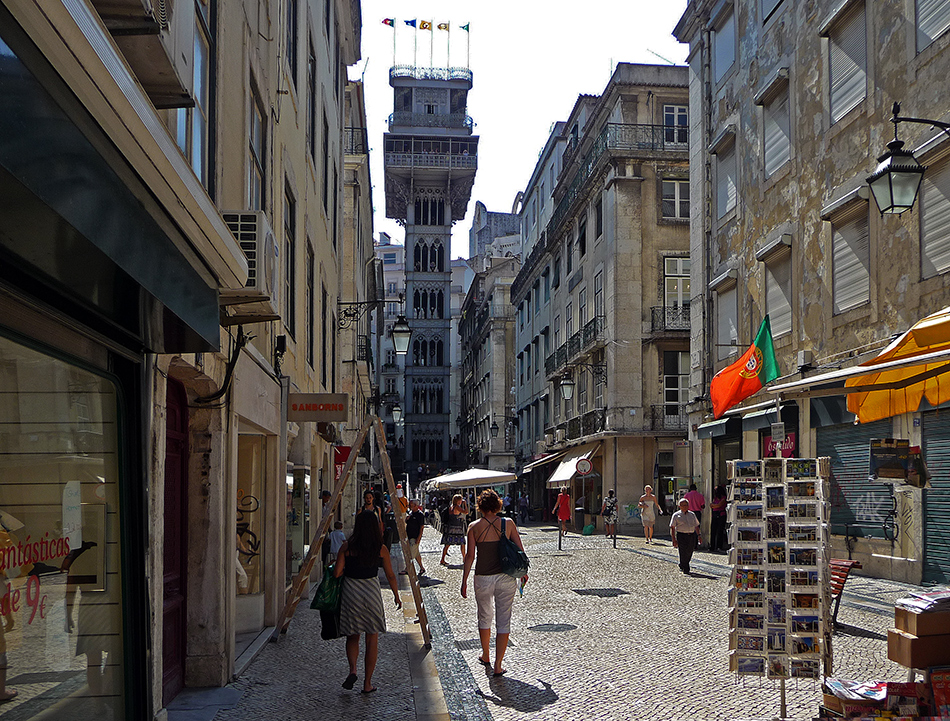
(423, 73)
(454, 161)
(364, 349)
(590, 336)
(403, 118)
(669, 417)
(670, 318)
(354, 141)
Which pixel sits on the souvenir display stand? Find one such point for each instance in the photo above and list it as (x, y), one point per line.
(779, 597)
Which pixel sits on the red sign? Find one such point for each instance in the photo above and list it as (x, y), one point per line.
(584, 466)
(340, 456)
(788, 446)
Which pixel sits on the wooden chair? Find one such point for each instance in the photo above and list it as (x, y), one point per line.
(840, 570)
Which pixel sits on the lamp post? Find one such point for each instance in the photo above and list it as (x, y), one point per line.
(597, 370)
(896, 180)
(396, 411)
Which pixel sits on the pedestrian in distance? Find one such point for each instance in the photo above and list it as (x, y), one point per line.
(523, 508)
(684, 529)
(609, 512)
(337, 539)
(507, 503)
(494, 590)
(371, 507)
(562, 509)
(696, 500)
(455, 526)
(415, 525)
(649, 507)
(361, 600)
(717, 534)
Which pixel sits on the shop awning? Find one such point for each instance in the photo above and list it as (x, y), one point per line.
(568, 465)
(469, 478)
(830, 411)
(549, 458)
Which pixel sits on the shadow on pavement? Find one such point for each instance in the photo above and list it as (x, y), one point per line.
(428, 582)
(843, 628)
(518, 695)
(693, 574)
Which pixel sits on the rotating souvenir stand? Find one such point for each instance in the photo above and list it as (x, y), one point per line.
(779, 623)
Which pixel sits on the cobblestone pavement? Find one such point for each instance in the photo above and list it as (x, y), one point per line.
(648, 643)
(642, 641)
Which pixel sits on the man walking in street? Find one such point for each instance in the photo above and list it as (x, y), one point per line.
(415, 524)
(696, 500)
(684, 530)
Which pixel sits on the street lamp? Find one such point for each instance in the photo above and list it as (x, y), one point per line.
(494, 429)
(567, 387)
(397, 412)
(896, 180)
(401, 334)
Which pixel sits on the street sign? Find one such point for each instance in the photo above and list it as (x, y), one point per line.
(584, 466)
(778, 432)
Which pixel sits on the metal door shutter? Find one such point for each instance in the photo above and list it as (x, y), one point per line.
(855, 502)
(937, 499)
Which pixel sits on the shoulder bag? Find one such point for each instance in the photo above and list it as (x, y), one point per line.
(514, 561)
(329, 592)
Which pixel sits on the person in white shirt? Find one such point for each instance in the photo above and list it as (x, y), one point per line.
(684, 529)
(337, 539)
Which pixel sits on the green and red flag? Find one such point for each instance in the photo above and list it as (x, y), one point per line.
(391, 22)
(746, 376)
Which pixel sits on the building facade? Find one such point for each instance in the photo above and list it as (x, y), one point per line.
(601, 341)
(430, 159)
(170, 274)
(788, 115)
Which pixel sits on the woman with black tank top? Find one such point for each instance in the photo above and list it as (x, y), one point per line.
(361, 601)
(492, 587)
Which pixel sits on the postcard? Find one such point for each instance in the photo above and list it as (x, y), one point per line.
(804, 624)
(751, 666)
(776, 553)
(805, 668)
(803, 645)
(776, 638)
(776, 582)
(776, 610)
(803, 557)
(750, 643)
(775, 497)
(775, 526)
(778, 667)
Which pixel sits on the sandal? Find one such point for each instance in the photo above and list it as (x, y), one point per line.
(350, 681)
(500, 673)
(9, 695)
(368, 690)
(483, 662)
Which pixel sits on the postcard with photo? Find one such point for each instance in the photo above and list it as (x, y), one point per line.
(775, 497)
(750, 599)
(778, 667)
(749, 512)
(804, 578)
(745, 492)
(802, 557)
(751, 666)
(801, 489)
(750, 622)
(805, 600)
(772, 472)
(776, 553)
(748, 469)
(776, 610)
(801, 468)
(748, 534)
(776, 582)
(750, 643)
(805, 624)
(776, 639)
(803, 534)
(805, 668)
(803, 645)
(748, 579)
(750, 556)
(775, 526)
(802, 510)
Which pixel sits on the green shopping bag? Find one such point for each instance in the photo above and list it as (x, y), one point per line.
(327, 596)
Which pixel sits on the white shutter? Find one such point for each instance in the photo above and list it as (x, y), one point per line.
(726, 186)
(851, 276)
(778, 293)
(935, 221)
(724, 47)
(848, 50)
(933, 19)
(726, 319)
(777, 133)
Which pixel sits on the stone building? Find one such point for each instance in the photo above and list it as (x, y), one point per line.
(789, 109)
(601, 343)
(169, 273)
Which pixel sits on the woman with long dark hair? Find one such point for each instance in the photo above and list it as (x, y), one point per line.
(455, 528)
(361, 601)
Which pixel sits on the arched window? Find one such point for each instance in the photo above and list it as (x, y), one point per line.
(417, 257)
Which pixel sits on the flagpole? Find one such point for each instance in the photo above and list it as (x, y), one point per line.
(431, 46)
(468, 50)
(448, 42)
(394, 42)
(415, 46)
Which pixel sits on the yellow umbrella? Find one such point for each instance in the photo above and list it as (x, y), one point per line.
(895, 391)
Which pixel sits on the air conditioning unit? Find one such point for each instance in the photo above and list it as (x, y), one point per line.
(253, 233)
(541, 446)
(559, 435)
(548, 438)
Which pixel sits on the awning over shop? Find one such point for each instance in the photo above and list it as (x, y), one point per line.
(469, 478)
(568, 465)
(549, 458)
(830, 411)
(765, 417)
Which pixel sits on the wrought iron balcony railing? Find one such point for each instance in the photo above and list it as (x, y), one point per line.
(364, 351)
(354, 141)
(668, 417)
(404, 118)
(593, 421)
(431, 160)
(574, 428)
(580, 342)
(423, 73)
(670, 317)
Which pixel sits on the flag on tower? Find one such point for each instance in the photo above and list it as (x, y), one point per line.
(410, 23)
(443, 26)
(425, 25)
(746, 376)
(465, 27)
(391, 22)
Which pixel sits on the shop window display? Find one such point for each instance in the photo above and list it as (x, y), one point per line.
(250, 521)
(61, 596)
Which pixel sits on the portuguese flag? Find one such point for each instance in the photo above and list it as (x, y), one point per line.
(746, 376)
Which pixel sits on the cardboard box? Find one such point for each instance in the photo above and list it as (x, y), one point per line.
(934, 623)
(917, 651)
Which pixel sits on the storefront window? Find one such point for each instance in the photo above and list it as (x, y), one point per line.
(250, 521)
(60, 552)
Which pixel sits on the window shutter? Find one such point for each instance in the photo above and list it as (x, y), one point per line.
(724, 47)
(935, 221)
(933, 19)
(727, 320)
(768, 6)
(778, 294)
(851, 281)
(777, 136)
(726, 186)
(848, 43)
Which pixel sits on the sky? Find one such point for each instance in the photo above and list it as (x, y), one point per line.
(529, 60)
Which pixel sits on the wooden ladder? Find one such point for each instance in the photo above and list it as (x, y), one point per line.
(302, 579)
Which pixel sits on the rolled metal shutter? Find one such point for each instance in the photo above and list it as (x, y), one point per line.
(937, 499)
(857, 505)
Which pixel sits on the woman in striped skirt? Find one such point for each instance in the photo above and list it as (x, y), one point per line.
(361, 601)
